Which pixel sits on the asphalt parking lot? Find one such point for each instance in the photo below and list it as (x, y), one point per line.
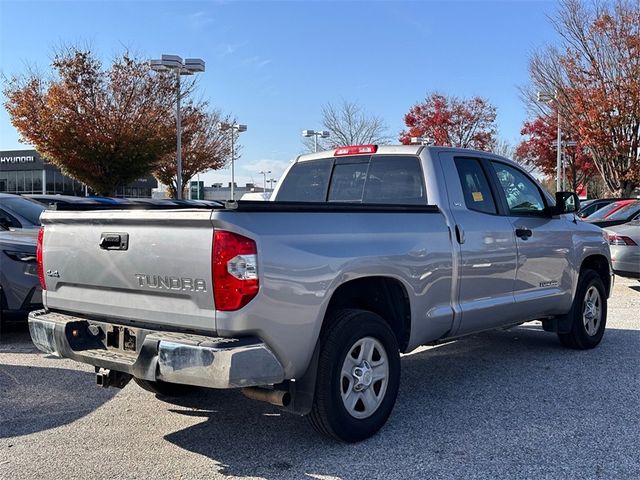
(505, 404)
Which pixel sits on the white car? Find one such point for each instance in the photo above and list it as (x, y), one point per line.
(624, 243)
(261, 196)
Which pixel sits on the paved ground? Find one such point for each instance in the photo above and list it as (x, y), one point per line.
(510, 404)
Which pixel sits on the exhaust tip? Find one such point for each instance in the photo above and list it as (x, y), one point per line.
(279, 398)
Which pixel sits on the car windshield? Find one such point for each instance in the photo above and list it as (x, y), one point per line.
(603, 212)
(24, 207)
(625, 212)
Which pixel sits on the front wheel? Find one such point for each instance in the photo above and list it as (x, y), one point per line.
(358, 376)
(588, 314)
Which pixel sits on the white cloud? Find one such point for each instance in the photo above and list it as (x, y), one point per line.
(227, 49)
(255, 62)
(198, 20)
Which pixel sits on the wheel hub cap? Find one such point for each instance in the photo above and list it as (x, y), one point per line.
(362, 376)
(592, 311)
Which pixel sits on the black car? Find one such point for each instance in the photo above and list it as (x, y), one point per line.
(48, 200)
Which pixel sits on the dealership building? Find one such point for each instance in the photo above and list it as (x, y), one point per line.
(25, 171)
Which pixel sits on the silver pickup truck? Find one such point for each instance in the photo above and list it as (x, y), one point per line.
(308, 301)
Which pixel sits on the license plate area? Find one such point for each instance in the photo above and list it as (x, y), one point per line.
(119, 337)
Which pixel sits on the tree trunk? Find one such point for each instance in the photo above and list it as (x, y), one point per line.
(627, 189)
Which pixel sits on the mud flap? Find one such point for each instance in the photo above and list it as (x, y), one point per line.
(559, 324)
(302, 390)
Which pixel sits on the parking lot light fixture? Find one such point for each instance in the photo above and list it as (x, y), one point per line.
(234, 127)
(421, 141)
(174, 63)
(264, 179)
(548, 97)
(315, 134)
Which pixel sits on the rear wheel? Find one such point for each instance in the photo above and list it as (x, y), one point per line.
(358, 376)
(163, 388)
(588, 313)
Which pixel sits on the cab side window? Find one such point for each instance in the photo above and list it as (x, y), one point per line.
(475, 186)
(522, 194)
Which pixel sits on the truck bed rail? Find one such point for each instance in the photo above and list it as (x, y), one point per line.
(260, 206)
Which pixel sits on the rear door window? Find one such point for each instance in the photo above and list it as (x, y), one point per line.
(475, 186)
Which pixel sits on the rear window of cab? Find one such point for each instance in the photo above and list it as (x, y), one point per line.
(370, 179)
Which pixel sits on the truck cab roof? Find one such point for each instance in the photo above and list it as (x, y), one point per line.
(397, 150)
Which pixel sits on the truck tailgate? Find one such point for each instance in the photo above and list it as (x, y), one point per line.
(140, 266)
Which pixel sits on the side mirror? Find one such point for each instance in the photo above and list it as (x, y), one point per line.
(566, 202)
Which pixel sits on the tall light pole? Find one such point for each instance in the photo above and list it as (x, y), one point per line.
(315, 134)
(548, 98)
(187, 67)
(264, 179)
(271, 182)
(234, 127)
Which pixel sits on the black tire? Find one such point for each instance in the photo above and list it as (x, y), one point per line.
(329, 416)
(579, 337)
(165, 389)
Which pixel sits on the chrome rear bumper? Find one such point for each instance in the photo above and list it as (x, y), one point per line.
(174, 357)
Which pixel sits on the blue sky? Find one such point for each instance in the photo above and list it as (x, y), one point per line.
(274, 64)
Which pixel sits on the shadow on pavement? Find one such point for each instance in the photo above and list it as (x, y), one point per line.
(33, 399)
(15, 338)
(511, 403)
(43, 398)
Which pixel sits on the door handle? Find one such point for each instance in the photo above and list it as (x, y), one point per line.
(459, 234)
(114, 241)
(523, 233)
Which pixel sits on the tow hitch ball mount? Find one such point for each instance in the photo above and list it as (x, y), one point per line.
(110, 378)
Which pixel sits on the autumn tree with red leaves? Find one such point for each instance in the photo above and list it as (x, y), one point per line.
(204, 146)
(452, 121)
(538, 149)
(103, 127)
(595, 77)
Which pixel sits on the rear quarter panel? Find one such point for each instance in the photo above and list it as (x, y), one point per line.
(304, 257)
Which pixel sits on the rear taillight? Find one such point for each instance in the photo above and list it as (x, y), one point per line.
(234, 270)
(621, 240)
(39, 257)
(355, 150)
